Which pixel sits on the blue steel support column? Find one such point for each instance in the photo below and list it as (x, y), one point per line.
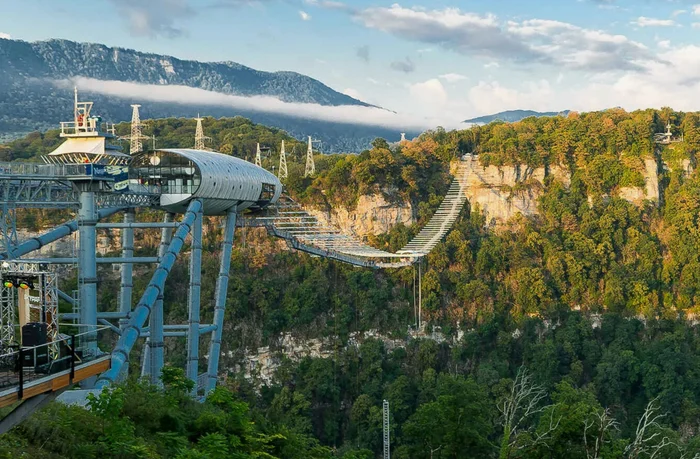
(154, 349)
(220, 301)
(87, 276)
(120, 354)
(194, 302)
(127, 279)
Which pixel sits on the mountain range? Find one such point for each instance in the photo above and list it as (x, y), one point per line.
(29, 101)
(511, 116)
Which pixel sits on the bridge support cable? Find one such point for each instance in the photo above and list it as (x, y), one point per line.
(120, 354)
(154, 349)
(55, 234)
(194, 302)
(220, 301)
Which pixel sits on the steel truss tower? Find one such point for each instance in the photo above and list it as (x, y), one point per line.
(199, 137)
(310, 165)
(136, 138)
(282, 173)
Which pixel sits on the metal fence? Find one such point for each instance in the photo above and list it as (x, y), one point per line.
(20, 365)
(43, 170)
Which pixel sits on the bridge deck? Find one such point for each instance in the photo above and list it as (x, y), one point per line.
(54, 382)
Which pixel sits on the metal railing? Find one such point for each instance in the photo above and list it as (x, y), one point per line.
(20, 365)
(43, 170)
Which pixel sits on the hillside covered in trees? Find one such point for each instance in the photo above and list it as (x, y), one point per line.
(570, 333)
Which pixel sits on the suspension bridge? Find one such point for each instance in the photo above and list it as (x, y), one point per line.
(43, 351)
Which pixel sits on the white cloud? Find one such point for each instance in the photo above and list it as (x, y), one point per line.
(696, 25)
(491, 65)
(642, 21)
(536, 40)
(328, 4)
(5, 36)
(352, 114)
(431, 93)
(453, 77)
(354, 93)
(154, 18)
(304, 15)
(492, 97)
(665, 44)
(678, 13)
(696, 10)
(674, 83)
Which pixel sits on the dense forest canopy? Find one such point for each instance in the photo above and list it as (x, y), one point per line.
(570, 333)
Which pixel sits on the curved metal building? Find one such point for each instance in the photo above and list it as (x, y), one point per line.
(221, 181)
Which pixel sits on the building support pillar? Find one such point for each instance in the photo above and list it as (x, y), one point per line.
(194, 302)
(127, 278)
(87, 275)
(154, 349)
(220, 300)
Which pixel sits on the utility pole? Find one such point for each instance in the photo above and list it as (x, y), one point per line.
(282, 173)
(387, 443)
(199, 136)
(258, 158)
(310, 166)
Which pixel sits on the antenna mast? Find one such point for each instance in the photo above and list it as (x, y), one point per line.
(258, 158)
(387, 444)
(310, 166)
(282, 172)
(199, 136)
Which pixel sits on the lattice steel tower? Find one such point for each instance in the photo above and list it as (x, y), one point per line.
(282, 173)
(135, 144)
(199, 137)
(310, 166)
(258, 157)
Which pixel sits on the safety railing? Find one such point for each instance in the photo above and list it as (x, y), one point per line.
(44, 170)
(20, 365)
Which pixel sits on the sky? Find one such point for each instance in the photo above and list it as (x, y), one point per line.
(442, 60)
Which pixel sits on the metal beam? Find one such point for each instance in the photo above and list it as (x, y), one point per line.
(220, 301)
(127, 281)
(194, 302)
(55, 234)
(87, 275)
(132, 225)
(154, 358)
(120, 354)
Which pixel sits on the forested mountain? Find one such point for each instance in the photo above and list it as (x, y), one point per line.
(512, 116)
(29, 101)
(571, 333)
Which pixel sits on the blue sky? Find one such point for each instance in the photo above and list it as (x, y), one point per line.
(437, 58)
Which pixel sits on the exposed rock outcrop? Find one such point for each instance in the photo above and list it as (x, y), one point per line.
(372, 215)
(637, 195)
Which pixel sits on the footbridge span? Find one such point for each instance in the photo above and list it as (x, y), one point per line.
(43, 351)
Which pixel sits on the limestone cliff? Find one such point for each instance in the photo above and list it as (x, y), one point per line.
(638, 195)
(502, 192)
(372, 215)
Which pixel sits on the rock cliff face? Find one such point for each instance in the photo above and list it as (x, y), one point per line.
(372, 215)
(499, 192)
(638, 195)
(502, 192)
